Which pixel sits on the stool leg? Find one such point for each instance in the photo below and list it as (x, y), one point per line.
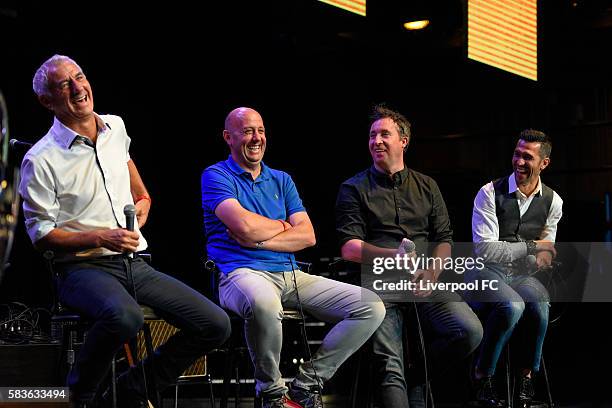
(237, 389)
(150, 383)
(547, 382)
(113, 382)
(509, 402)
(212, 395)
(175, 395)
(227, 376)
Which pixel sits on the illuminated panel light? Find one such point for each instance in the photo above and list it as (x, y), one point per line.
(416, 25)
(504, 34)
(354, 6)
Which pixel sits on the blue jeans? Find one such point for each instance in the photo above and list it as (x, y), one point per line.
(451, 331)
(520, 299)
(99, 290)
(259, 296)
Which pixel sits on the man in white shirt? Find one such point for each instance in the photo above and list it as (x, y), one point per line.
(75, 184)
(514, 224)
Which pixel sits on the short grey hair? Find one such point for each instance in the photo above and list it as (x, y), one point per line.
(40, 82)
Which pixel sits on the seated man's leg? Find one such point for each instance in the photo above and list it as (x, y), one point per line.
(534, 322)
(388, 359)
(451, 329)
(357, 313)
(202, 324)
(96, 294)
(500, 311)
(256, 297)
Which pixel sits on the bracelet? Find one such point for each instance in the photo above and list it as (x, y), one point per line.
(142, 197)
(283, 224)
(531, 247)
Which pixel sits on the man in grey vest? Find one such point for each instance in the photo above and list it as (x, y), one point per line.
(514, 224)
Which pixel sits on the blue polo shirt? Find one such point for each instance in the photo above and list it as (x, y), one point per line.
(272, 194)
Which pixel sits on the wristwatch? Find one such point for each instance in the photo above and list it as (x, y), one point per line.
(259, 245)
(531, 247)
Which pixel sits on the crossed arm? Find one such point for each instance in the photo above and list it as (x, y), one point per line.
(249, 228)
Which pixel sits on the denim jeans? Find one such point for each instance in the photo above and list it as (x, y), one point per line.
(259, 296)
(521, 299)
(99, 290)
(451, 331)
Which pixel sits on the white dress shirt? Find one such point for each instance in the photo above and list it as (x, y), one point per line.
(68, 184)
(485, 228)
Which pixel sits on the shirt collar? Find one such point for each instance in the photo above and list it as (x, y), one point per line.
(396, 178)
(66, 136)
(237, 170)
(513, 188)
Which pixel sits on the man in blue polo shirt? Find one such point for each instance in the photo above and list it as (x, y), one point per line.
(255, 221)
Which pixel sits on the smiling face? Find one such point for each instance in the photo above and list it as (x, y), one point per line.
(528, 163)
(245, 135)
(387, 146)
(69, 93)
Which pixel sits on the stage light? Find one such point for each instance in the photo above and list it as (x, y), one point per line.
(416, 25)
(504, 34)
(354, 6)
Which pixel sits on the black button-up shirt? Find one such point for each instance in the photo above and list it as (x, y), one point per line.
(381, 210)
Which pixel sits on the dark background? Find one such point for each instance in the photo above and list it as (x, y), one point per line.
(173, 70)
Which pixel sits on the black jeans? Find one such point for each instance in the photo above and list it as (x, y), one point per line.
(451, 331)
(99, 290)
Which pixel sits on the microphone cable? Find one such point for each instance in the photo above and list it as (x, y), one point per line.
(303, 324)
(130, 212)
(428, 391)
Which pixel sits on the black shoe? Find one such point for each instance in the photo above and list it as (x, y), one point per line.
(486, 394)
(525, 392)
(307, 398)
(279, 402)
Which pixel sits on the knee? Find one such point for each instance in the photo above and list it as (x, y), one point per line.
(218, 327)
(264, 310)
(511, 312)
(378, 312)
(124, 322)
(472, 335)
(537, 311)
(370, 308)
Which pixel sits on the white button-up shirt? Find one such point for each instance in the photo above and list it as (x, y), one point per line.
(66, 183)
(485, 227)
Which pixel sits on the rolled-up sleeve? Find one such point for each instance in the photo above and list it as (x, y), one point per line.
(350, 219)
(40, 203)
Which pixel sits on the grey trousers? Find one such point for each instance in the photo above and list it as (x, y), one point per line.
(259, 296)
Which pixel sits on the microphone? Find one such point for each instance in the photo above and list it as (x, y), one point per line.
(406, 247)
(130, 212)
(18, 145)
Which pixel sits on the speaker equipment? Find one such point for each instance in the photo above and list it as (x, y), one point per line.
(160, 332)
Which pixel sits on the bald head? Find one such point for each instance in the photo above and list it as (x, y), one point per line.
(246, 137)
(237, 116)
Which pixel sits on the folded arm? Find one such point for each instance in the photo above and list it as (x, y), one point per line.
(249, 228)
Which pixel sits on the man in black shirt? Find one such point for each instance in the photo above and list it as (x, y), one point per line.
(376, 211)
